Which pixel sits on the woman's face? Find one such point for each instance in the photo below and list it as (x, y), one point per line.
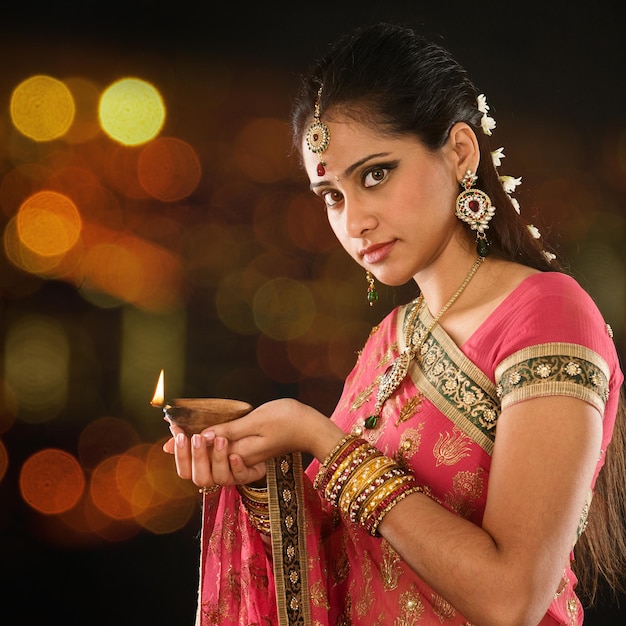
(389, 200)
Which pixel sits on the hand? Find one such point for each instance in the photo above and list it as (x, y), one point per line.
(275, 428)
(205, 462)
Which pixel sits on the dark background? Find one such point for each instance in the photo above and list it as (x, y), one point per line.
(553, 75)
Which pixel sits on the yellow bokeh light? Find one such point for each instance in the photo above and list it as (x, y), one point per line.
(131, 111)
(284, 308)
(42, 108)
(48, 223)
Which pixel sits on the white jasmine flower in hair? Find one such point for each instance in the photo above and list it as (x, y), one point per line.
(549, 256)
(509, 183)
(515, 204)
(534, 231)
(487, 124)
(497, 156)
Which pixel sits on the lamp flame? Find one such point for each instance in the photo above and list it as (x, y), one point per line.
(159, 392)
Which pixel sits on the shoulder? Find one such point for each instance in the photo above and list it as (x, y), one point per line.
(550, 295)
(547, 307)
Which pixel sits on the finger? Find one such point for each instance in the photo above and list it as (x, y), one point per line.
(220, 465)
(243, 474)
(168, 446)
(202, 474)
(182, 454)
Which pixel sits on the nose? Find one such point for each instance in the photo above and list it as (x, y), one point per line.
(359, 218)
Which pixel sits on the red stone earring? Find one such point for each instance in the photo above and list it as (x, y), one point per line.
(474, 207)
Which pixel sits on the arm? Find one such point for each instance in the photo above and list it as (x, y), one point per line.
(508, 571)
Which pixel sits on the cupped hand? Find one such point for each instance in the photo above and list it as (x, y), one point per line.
(206, 461)
(234, 453)
(275, 428)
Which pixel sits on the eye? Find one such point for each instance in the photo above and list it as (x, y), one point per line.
(331, 198)
(376, 175)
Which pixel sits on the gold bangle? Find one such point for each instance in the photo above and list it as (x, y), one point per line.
(346, 469)
(334, 454)
(255, 494)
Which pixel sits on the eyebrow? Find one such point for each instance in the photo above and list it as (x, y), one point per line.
(352, 167)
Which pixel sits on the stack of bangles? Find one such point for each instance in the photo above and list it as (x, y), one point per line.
(256, 503)
(363, 483)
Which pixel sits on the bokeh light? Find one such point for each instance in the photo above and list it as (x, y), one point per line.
(51, 481)
(131, 111)
(261, 150)
(105, 437)
(48, 223)
(42, 108)
(283, 308)
(113, 490)
(169, 169)
(36, 365)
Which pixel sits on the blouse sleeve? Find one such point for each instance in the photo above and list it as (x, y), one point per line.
(553, 340)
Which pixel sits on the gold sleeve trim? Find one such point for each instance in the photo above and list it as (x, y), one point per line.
(553, 369)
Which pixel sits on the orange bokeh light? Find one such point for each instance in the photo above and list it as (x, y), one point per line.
(169, 169)
(108, 493)
(48, 223)
(52, 481)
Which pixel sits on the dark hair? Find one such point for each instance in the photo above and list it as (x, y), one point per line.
(397, 81)
(392, 78)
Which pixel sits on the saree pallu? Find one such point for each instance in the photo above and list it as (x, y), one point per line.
(546, 338)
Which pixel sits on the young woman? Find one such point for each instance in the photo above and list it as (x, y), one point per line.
(454, 480)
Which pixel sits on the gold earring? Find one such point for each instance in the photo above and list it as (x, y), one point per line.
(372, 294)
(474, 207)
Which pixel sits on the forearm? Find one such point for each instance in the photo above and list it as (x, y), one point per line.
(464, 564)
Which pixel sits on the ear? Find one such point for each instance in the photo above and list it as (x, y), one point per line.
(463, 149)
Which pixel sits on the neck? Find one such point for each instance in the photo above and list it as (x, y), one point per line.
(439, 281)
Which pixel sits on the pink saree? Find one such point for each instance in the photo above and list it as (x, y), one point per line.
(546, 338)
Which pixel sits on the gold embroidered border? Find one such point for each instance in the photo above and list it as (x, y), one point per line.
(551, 369)
(455, 385)
(286, 507)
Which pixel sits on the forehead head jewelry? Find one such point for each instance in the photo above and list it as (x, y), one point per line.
(318, 136)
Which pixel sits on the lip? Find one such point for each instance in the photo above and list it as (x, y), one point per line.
(377, 252)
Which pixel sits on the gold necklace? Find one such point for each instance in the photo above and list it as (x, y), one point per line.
(398, 370)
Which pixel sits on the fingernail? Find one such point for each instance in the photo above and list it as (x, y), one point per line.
(209, 436)
(219, 443)
(180, 440)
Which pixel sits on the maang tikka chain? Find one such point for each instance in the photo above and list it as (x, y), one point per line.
(318, 136)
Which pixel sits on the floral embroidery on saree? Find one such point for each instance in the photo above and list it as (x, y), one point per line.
(390, 569)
